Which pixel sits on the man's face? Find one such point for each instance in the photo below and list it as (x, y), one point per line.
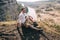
(24, 10)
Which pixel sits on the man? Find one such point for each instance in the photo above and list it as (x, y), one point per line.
(23, 16)
(21, 20)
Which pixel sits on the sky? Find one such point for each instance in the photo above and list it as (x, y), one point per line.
(31, 0)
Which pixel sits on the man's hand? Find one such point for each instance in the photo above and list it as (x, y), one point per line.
(35, 24)
(17, 24)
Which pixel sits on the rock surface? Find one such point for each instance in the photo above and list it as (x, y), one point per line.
(8, 10)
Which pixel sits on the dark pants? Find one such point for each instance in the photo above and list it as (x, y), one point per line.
(32, 34)
(26, 32)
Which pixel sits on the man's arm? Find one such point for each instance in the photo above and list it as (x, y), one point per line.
(34, 24)
(31, 18)
(31, 26)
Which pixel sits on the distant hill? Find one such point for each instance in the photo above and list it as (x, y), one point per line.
(35, 4)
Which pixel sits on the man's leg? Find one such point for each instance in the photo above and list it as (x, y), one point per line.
(43, 34)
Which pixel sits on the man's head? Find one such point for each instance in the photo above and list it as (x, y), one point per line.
(23, 10)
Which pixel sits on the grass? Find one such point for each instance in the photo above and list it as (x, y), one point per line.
(57, 27)
(8, 23)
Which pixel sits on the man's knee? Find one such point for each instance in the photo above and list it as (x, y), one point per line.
(35, 24)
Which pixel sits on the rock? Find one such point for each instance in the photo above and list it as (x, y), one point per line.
(8, 10)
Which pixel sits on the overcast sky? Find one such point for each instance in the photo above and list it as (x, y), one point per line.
(31, 0)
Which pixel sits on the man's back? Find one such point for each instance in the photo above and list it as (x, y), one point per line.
(32, 13)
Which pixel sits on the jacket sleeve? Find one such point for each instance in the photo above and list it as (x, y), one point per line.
(19, 18)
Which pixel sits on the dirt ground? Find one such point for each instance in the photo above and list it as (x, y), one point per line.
(11, 29)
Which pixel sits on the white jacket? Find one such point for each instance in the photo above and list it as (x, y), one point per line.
(21, 18)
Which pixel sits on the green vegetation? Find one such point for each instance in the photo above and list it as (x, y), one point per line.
(53, 25)
(7, 16)
(19, 8)
(57, 27)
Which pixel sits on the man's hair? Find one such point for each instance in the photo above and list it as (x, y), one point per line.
(25, 9)
(22, 9)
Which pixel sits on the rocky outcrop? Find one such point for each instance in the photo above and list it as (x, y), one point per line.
(8, 10)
